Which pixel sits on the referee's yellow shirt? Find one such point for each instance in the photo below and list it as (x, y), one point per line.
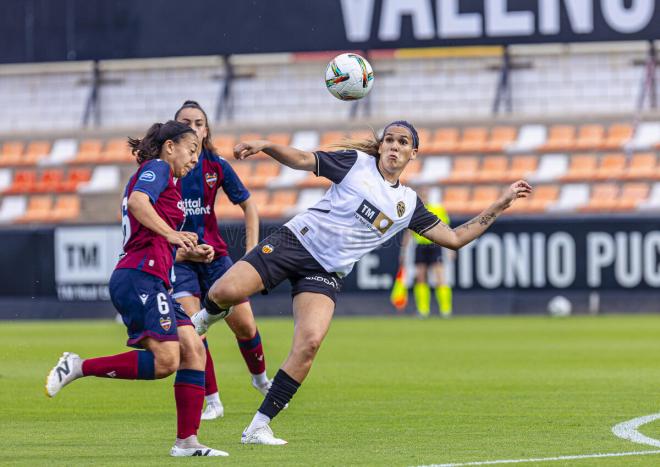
(438, 210)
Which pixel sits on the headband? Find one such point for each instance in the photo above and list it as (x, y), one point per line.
(409, 127)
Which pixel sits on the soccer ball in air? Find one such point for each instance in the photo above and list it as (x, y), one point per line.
(349, 77)
(560, 307)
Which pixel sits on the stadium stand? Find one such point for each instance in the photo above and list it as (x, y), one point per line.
(591, 167)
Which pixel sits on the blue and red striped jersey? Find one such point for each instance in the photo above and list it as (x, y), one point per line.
(144, 249)
(199, 190)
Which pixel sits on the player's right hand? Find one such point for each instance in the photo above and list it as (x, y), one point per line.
(247, 148)
(185, 240)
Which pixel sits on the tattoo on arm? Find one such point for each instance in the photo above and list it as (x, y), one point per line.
(487, 219)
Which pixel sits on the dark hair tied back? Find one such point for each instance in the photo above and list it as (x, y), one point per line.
(150, 146)
(190, 104)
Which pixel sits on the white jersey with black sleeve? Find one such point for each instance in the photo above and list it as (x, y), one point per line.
(358, 213)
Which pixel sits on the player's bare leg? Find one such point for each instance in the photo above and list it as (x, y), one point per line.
(214, 408)
(312, 315)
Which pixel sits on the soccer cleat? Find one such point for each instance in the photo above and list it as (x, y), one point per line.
(262, 435)
(213, 410)
(68, 368)
(202, 320)
(197, 451)
(262, 388)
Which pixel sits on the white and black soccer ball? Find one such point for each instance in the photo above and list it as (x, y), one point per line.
(560, 307)
(349, 77)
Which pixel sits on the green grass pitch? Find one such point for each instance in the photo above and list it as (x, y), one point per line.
(383, 391)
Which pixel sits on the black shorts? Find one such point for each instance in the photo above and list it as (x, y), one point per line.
(281, 256)
(428, 254)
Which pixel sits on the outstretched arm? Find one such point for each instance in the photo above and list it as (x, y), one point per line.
(291, 157)
(444, 235)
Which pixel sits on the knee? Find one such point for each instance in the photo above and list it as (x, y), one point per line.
(310, 347)
(193, 352)
(225, 293)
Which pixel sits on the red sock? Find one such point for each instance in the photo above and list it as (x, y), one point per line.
(189, 397)
(122, 366)
(253, 354)
(210, 383)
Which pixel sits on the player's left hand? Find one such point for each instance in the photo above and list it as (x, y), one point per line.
(519, 189)
(202, 254)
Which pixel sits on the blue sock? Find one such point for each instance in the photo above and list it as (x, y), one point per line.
(145, 366)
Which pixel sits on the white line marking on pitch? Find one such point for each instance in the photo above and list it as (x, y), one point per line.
(625, 430)
(547, 459)
(628, 430)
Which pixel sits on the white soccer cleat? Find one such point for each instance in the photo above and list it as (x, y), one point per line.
(263, 388)
(202, 320)
(197, 451)
(263, 435)
(68, 368)
(213, 410)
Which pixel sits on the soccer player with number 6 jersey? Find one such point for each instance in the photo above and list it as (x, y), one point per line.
(152, 213)
(364, 207)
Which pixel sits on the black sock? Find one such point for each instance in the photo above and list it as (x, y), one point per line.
(279, 395)
(211, 306)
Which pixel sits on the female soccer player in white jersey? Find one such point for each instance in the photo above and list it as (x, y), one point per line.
(194, 276)
(365, 206)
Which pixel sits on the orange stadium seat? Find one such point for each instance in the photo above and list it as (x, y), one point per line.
(424, 135)
(632, 194)
(444, 141)
(590, 137)
(500, 137)
(482, 197)
(12, 153)
(35, 151)
(280, 138)
(225, 209)
(224, 145)
(612, 166)
(243, 169)
(522, 167)
(541, 198)
(560, 138)
(329, 138)
(617, 135)
(89, 152)
(312, 181)
(117, 150)
(24, 182)
(67, 208)
(264, 172)
(50, 181)
(280, 202)
(38, 210)
(360, 134)
(493, 169)
(465, 169)
(455, 199)
(603, 197)
(642, 165)
(473, 140)
(582, 167)
(74, 178)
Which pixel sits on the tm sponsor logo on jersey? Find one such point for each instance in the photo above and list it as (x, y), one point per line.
(373, 218)
(193, 207)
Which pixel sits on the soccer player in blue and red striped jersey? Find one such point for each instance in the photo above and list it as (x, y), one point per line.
(194, 277)
(152, 213)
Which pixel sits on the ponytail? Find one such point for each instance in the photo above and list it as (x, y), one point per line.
(151, 145)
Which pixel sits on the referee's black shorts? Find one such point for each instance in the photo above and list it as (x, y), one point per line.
(428, 254)
(281, 256)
